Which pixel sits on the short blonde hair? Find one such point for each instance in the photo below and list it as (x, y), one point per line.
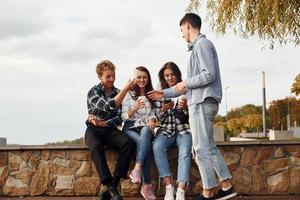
(104, 65)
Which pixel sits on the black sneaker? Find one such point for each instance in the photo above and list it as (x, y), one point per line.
(114, 194)
(105, 195)
(223, 195)
(201, 197)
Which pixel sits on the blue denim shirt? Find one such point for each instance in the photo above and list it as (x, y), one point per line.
(203, 73)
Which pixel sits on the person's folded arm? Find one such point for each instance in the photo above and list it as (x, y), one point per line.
(114, 122)
(100, 103)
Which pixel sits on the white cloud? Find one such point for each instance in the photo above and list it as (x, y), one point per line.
(21, 19)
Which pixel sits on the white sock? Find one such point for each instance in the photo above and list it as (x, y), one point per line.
(180, 190)
(226, 188)
(206, 196)
(170, 186)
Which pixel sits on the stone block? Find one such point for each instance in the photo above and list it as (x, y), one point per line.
(87, 186)
(61, 162)
(248, 156)
(231, 158)
(82, 155)
(259, 183)
(3, 175)
(85, 169)
(41, 179)
(45, 155)
(295, 160)
(293, 149)
(278, 183)
(242, 180)
(26, 155)
(23, 165)
(295, 180)
(25, 175)
(14, 161)
(15, 187)
(129, 189)
(58, 154)
(75, 164)
(64, 185)
(279, 152)
(3, 158)
(34, 161)
(274, 166)
(264, 153)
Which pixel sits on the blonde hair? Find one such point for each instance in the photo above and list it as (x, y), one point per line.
(104, 65)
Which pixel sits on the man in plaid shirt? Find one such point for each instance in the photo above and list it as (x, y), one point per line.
(104, 101)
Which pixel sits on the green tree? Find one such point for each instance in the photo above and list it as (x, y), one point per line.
(296, 85)
(270, 20)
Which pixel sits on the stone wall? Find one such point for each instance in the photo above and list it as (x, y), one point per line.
(257, 168)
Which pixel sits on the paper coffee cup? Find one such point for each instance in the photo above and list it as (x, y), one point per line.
(143, 98)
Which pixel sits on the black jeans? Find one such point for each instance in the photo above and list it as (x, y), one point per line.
(96, 138)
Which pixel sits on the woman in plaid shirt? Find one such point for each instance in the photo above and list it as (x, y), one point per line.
(173, 131)
(139, 121)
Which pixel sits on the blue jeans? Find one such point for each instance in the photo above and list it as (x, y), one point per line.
(205, 151)
(143, 151)
(160, 146)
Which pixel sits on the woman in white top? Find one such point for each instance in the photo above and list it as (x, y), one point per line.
(139, 121)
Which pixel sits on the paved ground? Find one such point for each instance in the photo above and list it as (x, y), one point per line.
(279, 197)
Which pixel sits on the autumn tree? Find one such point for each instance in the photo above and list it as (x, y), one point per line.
(270, 20)
(246, 118)
(243, 111)
(296, 86)
(235, 126)
(279, 109)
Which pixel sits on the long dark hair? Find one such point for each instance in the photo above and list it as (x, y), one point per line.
(148, 87)
(175, 69)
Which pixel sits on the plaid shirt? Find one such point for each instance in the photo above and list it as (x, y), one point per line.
(103, 106)
(169, 124)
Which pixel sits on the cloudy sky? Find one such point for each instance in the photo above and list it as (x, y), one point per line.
(49, 50)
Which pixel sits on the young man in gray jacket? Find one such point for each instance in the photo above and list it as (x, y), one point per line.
(204, 92)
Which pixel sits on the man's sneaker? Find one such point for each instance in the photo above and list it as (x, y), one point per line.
(147, 192)
(135, 176)
(201, 197)
(169, 193)
(105, 195)
(180, 194)
(114, 194)
(223, 195)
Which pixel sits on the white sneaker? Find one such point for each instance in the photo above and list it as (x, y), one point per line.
(169, 192)
(180, 194)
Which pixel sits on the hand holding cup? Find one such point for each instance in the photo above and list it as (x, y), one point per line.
(182, 102)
